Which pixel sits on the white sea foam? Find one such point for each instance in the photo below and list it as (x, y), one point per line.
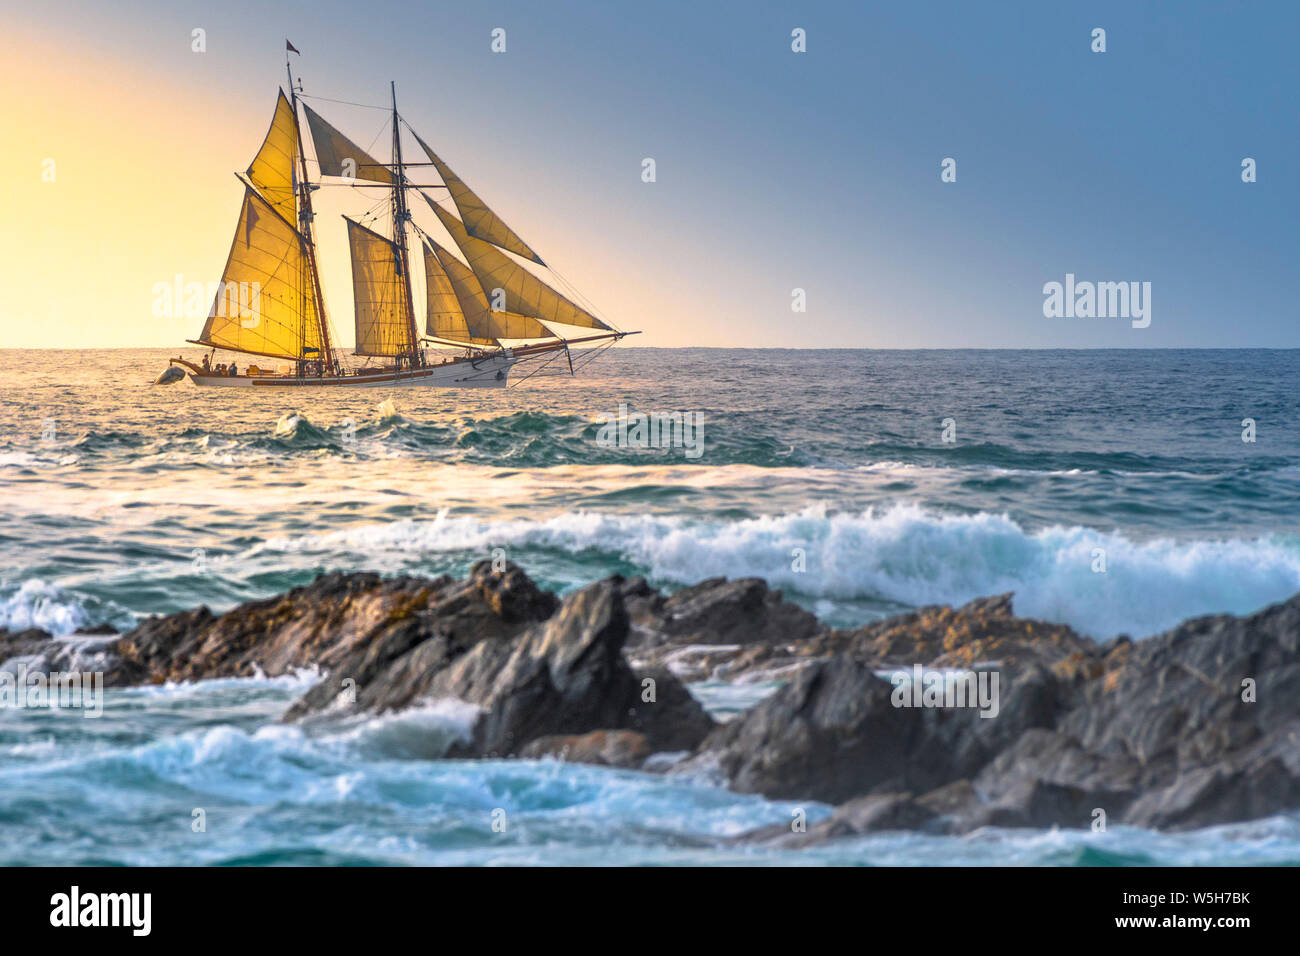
(901, 555)
(423, 732)
(38, 604)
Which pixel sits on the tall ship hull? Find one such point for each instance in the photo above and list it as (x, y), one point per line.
(490, 372)
(488, 300)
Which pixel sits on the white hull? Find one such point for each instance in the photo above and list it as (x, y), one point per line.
(490, 372)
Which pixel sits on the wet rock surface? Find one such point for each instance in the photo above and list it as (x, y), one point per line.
(1193, 727)
(1196, 726)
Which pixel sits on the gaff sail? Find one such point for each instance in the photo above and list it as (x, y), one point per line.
(381, 296)
(266, 304)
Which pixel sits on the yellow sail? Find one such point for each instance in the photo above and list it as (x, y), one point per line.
(511, 325)
(272, 170)
(445, 318)
(339, 156)
(525, 294)
(481, 322)
(265, 304)
(480, 221)
(380, 294)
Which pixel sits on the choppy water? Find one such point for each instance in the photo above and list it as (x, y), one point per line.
(121, 499)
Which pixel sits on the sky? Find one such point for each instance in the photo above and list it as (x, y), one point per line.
(775, 170)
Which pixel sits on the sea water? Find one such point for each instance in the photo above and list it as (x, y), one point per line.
(1109, 490)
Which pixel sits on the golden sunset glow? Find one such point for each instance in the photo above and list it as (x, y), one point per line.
(125, 184)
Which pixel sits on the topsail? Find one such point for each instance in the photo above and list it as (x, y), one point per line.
(272, 169)
(339, 156)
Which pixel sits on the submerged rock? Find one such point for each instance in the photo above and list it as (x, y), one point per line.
(610, 748)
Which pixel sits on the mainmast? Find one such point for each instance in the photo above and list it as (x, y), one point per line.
(306, 227)
(400, 217)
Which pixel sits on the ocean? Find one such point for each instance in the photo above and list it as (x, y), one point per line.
(1110, 490)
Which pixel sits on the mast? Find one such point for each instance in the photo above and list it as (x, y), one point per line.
(400, 216)
(306, 226)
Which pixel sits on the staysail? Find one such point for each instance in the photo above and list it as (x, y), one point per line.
(476, 317)
(446, 317)
(480, 221)
(272, 169)
(339, 156)
(380, 294)
(265, 303)
(525, 294)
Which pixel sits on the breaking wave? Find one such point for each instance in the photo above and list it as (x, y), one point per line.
(1101, 583)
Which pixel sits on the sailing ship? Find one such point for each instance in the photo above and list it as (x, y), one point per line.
(481, 303)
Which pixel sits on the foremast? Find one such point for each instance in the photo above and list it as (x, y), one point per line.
(306, 226)
(269, 301)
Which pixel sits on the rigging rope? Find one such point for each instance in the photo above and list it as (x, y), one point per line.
(326, 99)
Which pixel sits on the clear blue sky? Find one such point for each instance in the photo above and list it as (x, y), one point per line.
(819, 170)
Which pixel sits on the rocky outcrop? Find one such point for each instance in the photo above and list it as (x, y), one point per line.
(566, 676)
(1197, 726)
(720, 630)
(834, 732)
(533, 666)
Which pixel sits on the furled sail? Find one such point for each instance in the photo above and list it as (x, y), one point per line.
(265, 304)
(339, 156)
(272, 170)
(480, 322)
(380, 294)
(525, 294)
(480, 221)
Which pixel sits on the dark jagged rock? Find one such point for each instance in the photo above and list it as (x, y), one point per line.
(834, 733)
(718, 628)
(765, 636)
(533, 666)
(1156, 733)
(97, 630)
(982, 631)
(407, 635)
(566, 677)
(24, 643)
(1197, 726)
(716, 611)
(829, 735)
